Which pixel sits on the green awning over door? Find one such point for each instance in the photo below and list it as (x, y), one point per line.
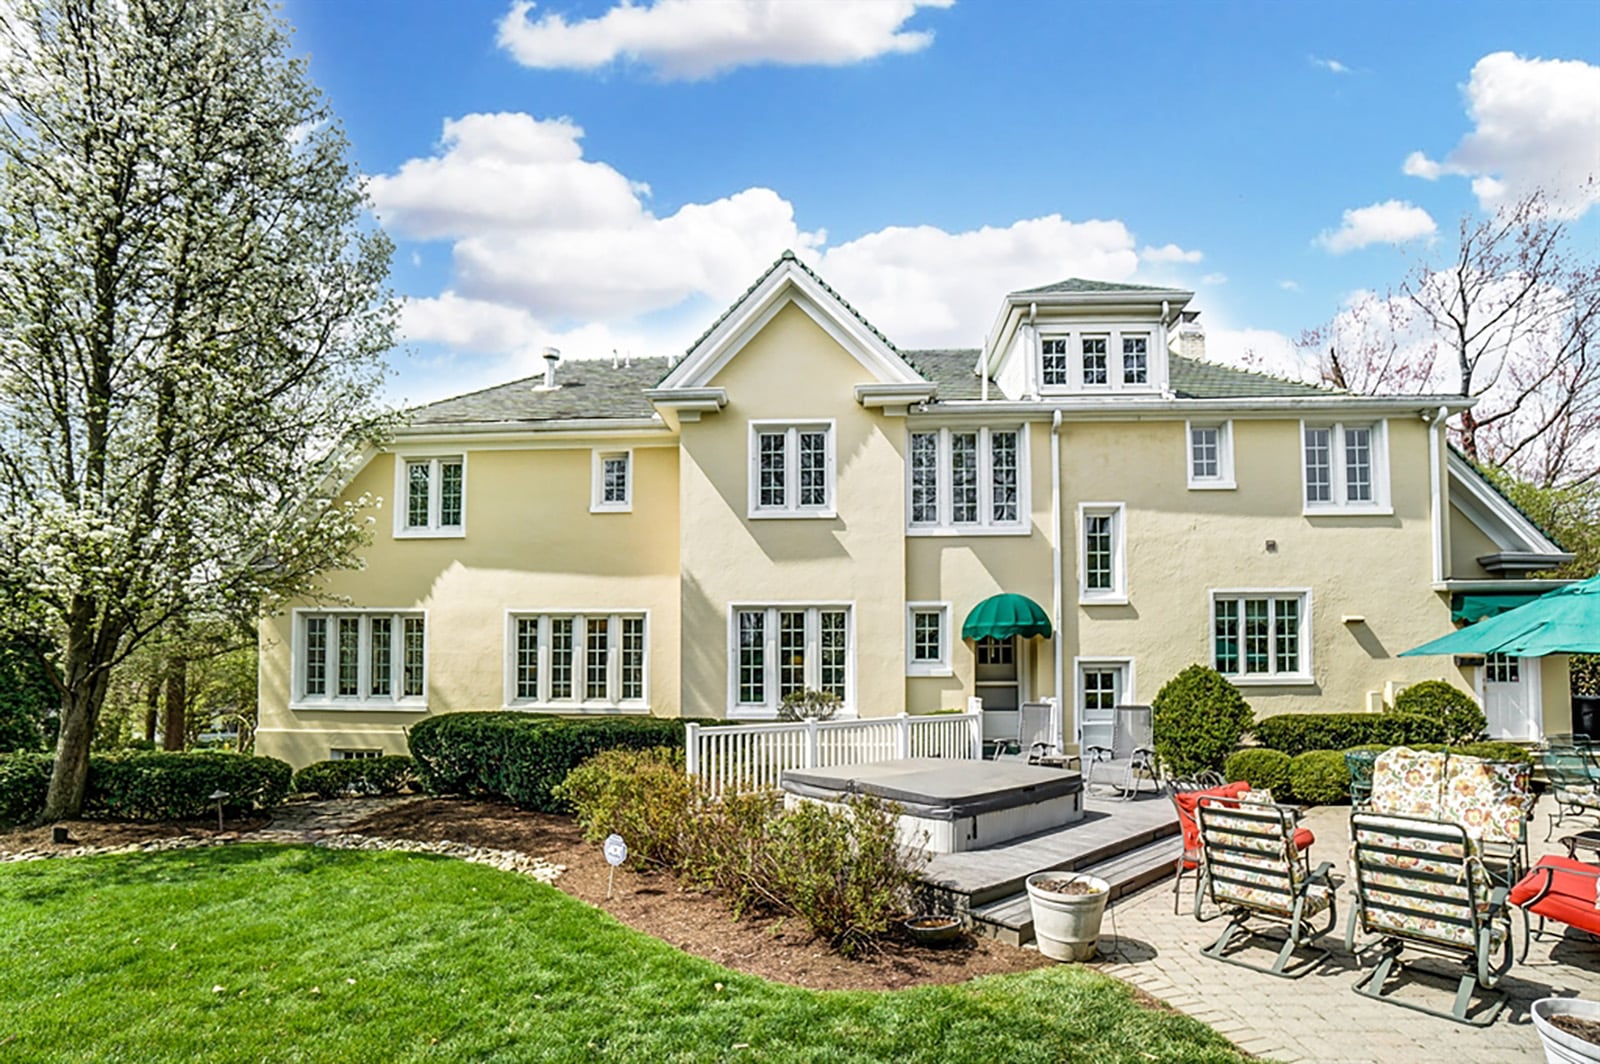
(1470, 608)
(1003, 616)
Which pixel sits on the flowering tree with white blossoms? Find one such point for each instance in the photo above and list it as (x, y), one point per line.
(192, 316)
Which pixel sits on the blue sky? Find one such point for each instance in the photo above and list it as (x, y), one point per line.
(928, 157)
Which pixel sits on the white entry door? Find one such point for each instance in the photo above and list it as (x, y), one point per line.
(998, 682)
(1102, 686)
(1509, 687)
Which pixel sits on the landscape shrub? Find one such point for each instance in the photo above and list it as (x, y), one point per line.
(178, 786)
(843, 871)
(1199, 719)
(1319, 777)
(24, 780)
(389, 774)
(728, 849)
(1296, 733)
(1489, 750)
(1262, 769)
(642, 795)
(521, 757)
(1458, 712)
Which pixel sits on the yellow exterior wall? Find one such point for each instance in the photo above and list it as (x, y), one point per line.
(1555, 688)
(530, 544)
(793, 371)
(1468, 543)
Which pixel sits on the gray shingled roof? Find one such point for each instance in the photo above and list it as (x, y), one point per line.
(952, 369)
(1193, 379)
(587, 388)
(1078, 285)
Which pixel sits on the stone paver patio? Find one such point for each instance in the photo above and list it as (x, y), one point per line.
(1319, 1017)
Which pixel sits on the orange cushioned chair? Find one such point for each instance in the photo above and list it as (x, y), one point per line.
(1189, 861)
(1561, 889)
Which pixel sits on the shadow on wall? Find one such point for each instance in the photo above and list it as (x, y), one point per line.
(1368, 640)
(703, 659)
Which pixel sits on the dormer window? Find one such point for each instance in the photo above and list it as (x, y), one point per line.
(1135, 360)
(1099, 357)
(1053, 353)
(1094, 361)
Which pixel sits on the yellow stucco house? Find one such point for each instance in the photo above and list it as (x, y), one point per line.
(797, 503)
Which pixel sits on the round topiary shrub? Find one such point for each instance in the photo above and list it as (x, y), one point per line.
(1459, 714)
(1266, 770)
(1319, 777)
(1199, 717)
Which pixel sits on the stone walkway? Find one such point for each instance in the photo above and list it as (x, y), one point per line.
(1319, 1017)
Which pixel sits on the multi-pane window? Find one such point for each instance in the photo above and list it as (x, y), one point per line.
(791, 470)
(1210, 455)
(1053, 364)
(780, 650)
(1501, 668)
(1094, 360)
(1260, 635)
(1102, 578)
(434, 495)
(1344, 466)
(360, 657)
(355, 755)
(966, 480)
(576, 659)
(1135, 360)
(927, 638)
(613, 482)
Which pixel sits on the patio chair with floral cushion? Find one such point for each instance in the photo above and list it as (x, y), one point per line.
(1187, 794)
(1252, 869)
(1493, 801)
(1419, 885)
(1570, 771)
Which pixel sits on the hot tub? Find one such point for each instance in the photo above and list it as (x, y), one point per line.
(958, 805)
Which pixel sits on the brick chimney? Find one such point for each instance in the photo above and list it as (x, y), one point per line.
(1190, 335)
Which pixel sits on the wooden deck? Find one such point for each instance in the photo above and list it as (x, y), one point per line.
(1128, 844)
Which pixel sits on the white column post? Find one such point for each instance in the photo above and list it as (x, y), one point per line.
(812, 758)
(903, 736)
(691, 749)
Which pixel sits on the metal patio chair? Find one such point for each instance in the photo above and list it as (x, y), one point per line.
(1419, 885)
(1033, 744)
(1572, 775)
(1131, 757)
(1251, 869)
(1359, 764)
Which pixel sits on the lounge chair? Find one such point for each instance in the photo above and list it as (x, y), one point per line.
(1560, 889)
(1035, 722)
(1571, 774)
(1419, 885)
(1131, 757)
(1251, 869)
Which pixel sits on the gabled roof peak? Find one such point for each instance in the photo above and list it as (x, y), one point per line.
(1084, 286)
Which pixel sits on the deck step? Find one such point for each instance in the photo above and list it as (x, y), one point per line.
(1010, 919)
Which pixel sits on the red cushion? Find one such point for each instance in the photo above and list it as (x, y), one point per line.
(1570, 898)
(1188, 801)
(1303, 838)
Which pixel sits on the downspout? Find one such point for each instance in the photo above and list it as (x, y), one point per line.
(1055, 568)
(1436, 499)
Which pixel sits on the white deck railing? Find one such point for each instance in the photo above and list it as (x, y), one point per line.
(743, 756)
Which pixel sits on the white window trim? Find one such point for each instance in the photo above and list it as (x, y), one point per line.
(1113, 333)
(433, 530)
(354, 753)
(985, 525)
(792, 510)
(580, 637)
(942, 667)
(1380, 504)
(1306, 675)
(394, 703)
(1224, 480)
(597, 486)
(1130, 677)
(1117, 594)
(769, 711)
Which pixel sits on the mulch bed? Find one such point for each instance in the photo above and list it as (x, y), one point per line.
(121, 832)
(772, 948)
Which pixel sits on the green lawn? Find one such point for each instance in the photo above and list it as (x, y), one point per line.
(295, 954)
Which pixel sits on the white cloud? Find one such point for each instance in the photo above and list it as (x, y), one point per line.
(1390, 222)
(1289, 286)
(1214, 279)
(544, 240)
(1170, 253)
(1333, 66)
(1536, 125)
(1262, 350)
(693, 39)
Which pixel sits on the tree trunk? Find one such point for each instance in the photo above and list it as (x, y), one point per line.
(174, 726)
(152, 707)
(80, 709)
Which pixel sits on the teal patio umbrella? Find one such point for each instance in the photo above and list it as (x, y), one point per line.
(1563, 621)
(1006, 615)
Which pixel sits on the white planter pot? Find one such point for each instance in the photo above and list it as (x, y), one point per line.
(1067, 925)
(1559, 1046)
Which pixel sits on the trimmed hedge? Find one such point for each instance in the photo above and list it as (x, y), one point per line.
(1489, 750)
(149, 786)
(522, 757)
(1199, 719)
(24, 779)
(1458, 711)
(1320, 777)
(1262, 769)
(367, 775)
(1296, 733)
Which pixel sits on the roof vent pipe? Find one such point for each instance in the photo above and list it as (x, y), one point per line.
(551, 357)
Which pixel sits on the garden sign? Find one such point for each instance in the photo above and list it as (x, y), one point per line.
(616, 852)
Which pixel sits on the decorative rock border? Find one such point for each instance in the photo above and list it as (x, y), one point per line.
(505, 860)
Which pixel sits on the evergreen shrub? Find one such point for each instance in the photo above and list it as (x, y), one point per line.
(1458, 712)
(1262, 769)
(1319, 777)
(389, 774)
(178, 786)
(24, 780)
(1199, 719)
(1296, 733)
